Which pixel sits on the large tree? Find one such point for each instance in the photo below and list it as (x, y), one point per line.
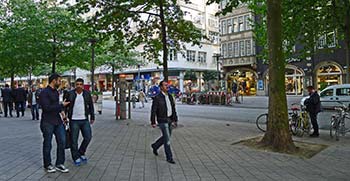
(154, 24)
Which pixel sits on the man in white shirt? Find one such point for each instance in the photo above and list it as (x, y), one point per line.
(33, 101)
(80, 109)
(163, 107)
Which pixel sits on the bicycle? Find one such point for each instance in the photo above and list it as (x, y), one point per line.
(261, 122)
(337, 126)
(299, 122)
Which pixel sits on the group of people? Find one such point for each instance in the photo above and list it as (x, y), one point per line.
(18, 97)
(238, 87)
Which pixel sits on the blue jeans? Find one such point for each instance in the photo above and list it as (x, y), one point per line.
(35, 111)
(85, 128)
(48, 130)
(164, 140)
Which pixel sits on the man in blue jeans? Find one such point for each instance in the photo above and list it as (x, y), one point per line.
(33, 99)
(79, 110)
(163, 107)
(52, 124)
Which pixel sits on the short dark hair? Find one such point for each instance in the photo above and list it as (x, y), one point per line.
(6, 85)
(310, 87)
(53, 76)
(161, 83)
(80, 80)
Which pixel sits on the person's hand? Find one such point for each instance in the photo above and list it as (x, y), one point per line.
(92, 121)
(66, 103)
(154, 125)
(174, 124)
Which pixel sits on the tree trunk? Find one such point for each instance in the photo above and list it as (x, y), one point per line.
(113, 81)
(347, 40)
(12, 80)
(54, 55)
(277, 135)
(164, 41)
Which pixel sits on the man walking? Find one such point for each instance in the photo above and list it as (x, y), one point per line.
(142, 97)
(52, 124)
(20, 97)
(33, 99)
(6, 95)
(313, 106)
(80, 108)
(163, 107)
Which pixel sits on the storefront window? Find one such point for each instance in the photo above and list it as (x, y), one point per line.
(245, 79)
(294, 81)
(328, 75)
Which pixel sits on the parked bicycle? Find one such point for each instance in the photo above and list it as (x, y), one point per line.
(299, 120)
(337, 126)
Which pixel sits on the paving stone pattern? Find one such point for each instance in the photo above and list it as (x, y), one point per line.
(203, 150)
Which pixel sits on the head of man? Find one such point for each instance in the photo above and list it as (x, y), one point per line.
(163, 86)
(33, 88)
(55, 81)
(7, 86)
(310, 89)
(79, 85)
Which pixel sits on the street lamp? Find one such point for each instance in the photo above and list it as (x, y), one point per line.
(93, 42)
(138, 77)
(217, 57)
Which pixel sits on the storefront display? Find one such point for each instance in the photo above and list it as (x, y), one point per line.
(328, 75)
(245, 79)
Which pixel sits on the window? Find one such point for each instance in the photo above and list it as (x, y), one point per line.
(322, 41)
(248, 47)
(172, 55)
(191, 55)
(331, 39)
(247, 22)
(230, 48)
(224, 28)
(235, 49)
(240, 24)
(235, 24)
(327, 93)
(213, 37)
(242, 48)
(202, 57)
(229, 26)
(224, 50)
(343, 92)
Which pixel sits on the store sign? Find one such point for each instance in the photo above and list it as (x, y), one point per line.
(129, 77)
(260, 85)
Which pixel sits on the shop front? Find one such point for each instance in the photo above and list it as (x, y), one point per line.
(245, 78)
(327, 74)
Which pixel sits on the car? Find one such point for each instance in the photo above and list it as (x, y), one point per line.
(333, 96)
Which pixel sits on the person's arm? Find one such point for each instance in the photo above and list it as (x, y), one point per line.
(46, 105)
(91, 108)
(174, 116)
(154, 109)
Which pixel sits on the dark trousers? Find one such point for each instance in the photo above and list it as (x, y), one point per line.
(164, 140)
(20, 106)
(48, 130)
(7, 108)
(35, 111)
(75, 127)
(313, 117)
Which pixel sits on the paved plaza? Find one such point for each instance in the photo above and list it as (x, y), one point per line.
(203, 150)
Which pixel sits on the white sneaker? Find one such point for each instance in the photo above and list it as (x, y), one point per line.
(62, 168)
(50, 169)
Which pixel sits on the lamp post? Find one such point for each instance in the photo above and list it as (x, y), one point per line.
(93, 42)
(217, 57)
(138, 77)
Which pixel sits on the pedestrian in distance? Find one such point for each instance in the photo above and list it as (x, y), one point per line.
(313, 106)
(33, 101)
(80, 110)
(163, 108)
(235, 91)
(20, 97)
(142, 97)
(1, 103)
(52, 123)
(7, 99)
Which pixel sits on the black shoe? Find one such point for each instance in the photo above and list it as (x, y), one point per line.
(313, 135)
(155, 152)
(171, 161)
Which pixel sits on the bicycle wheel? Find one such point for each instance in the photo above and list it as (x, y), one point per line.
(306, 123)
(334, 128)
(261, 122)
(293, 124)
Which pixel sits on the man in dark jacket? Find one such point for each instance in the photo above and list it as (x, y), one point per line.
(163, 107)
(52, 124)
(313, 106)
(20, 97)
(6, 95)
(79, 110)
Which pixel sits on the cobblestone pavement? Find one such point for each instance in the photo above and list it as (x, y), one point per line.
(203, 150)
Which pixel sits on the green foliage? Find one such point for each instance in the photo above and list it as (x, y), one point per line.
(209, 75)
(190, 75)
